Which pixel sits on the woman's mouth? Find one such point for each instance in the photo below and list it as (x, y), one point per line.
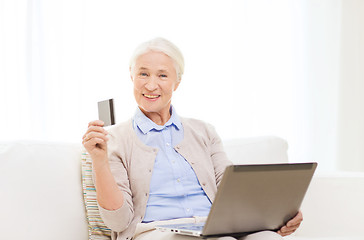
(151, 96)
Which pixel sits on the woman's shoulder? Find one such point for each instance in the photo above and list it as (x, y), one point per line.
(197, 125)
(193, 121)
(121, 129)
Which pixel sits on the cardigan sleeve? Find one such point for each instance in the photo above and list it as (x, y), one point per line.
(218, 156)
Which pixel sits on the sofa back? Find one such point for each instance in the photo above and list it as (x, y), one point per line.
(41, 189)
(256, 150)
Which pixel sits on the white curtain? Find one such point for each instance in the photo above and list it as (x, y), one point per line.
(40, 69)
(252, 68)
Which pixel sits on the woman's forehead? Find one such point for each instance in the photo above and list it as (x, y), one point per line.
(161, 69)
(154, 60)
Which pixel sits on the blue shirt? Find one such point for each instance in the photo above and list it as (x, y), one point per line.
(175, 191)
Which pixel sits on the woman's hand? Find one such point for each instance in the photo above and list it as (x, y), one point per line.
(291, 225)
(95, 140)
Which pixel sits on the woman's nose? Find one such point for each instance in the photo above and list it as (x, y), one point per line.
(152, 84)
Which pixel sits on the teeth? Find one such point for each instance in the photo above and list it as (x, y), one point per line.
(151, 96)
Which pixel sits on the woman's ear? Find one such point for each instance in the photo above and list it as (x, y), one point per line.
(176, 86)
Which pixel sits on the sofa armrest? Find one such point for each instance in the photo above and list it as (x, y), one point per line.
(41, 191)
(333, 206)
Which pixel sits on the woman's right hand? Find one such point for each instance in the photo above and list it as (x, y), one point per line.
(95, 140)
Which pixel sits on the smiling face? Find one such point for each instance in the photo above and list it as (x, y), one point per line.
(155, 79)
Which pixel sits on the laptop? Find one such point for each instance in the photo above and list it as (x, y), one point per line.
(252, 198)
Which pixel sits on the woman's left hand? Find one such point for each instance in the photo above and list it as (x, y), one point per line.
(292, 225)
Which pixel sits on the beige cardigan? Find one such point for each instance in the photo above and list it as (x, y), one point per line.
(131, 163)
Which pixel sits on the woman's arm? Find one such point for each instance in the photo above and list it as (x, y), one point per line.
(218, 155)
(110, 198)
(95, 141)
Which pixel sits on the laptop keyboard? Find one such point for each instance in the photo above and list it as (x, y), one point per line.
(191, 226)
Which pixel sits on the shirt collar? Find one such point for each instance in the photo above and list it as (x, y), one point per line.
(146, 125)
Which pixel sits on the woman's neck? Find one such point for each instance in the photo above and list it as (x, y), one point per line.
(159, 118)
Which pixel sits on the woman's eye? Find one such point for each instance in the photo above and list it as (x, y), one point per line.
(163, 76)
(143, 74)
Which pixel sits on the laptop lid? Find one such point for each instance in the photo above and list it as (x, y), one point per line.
(260, 197)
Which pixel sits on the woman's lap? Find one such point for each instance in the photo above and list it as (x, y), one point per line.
(147, 231)
(158, 235)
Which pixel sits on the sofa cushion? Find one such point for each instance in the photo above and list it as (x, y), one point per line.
(97, 228)
(333, 208)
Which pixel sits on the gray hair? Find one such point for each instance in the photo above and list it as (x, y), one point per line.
(164, 46)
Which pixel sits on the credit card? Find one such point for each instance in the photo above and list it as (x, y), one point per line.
(106, 112)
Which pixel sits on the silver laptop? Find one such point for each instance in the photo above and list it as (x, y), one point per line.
(252, 198)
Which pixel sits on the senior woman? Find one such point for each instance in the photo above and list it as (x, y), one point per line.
(158, 167)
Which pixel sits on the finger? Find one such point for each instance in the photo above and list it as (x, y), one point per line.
(92, 135)
(285, 230)
(290, 229)
(96, 123)
(288, 233)
(283, 234)
(95, 138)
(90, 144)
(95, 129)
(92, 141)
(296, 220)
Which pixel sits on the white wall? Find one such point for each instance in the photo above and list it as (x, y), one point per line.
(287, 66)
(253, 67)
(316, 92)
(351, 90)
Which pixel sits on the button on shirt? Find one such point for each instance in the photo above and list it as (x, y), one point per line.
(175, 191)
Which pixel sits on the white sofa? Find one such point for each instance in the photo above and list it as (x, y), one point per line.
(41, 192)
